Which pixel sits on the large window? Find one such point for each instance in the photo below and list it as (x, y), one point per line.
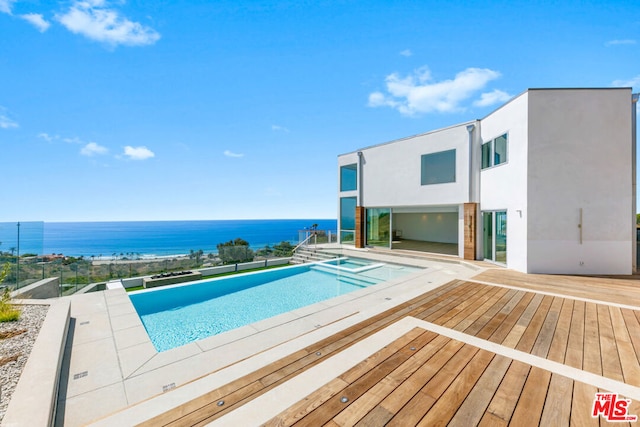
(349, 177)
(438, 168)
(347, 219)
(494, 152)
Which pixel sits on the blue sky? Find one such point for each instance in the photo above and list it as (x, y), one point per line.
(126, 110)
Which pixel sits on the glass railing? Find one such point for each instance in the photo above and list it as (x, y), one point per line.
(21, 247)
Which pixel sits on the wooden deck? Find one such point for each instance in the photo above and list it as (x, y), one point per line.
(426, 378)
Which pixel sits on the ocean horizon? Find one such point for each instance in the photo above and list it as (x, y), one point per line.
(103, 239)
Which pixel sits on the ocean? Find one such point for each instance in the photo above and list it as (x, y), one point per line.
(149, 238)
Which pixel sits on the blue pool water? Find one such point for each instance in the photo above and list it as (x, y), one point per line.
(177, 315)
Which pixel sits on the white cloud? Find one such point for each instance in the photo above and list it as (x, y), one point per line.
(634, 82)
(406, 52)
(6, 5)
(5, 121)
(618, 42)
(490, 98)
(232, 154)
(94, 20)
(37, 21)
(138, 153)
(47, 137)
(418, 93)
(277, 128)
(74, 140)
(93, 149)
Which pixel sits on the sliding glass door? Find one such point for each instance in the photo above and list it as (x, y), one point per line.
(494, 236)
(379, 227)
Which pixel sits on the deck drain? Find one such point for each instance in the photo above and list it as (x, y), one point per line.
(318, 353)
(220, 402)
(80, 375)
(85, 323)
(168, 387)
(344, 399)
(388, 299)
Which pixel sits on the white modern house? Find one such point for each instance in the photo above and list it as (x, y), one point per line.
(544, 184)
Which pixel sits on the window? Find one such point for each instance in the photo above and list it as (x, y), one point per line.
(347, 219)
(438, 168)
(494, 152)
(349, 177)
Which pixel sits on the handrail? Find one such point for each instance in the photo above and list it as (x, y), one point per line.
(304, 241)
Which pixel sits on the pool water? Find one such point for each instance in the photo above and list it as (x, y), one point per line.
(179, 314)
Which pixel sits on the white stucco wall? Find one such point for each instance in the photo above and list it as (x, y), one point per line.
(580, 157)
(504, 187)
(391, 172)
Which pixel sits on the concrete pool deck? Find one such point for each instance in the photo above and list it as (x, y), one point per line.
(110, 363)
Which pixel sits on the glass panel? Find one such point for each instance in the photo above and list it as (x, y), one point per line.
(486, 155)
(347, 236)
(501, 237)
(348, 213)
(347, 219)
(21, 248)
(438, 168)
(500, 147)
(487, 234)
(348, 177)
(378, 226)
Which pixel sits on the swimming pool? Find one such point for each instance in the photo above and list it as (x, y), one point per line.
(179, 314)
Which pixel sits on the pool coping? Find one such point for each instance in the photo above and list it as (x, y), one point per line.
(122, 369)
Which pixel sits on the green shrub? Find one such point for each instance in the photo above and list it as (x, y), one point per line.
(8, 312)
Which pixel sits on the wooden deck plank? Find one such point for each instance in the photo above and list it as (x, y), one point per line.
(467, 307)
(504, 400)
(299, 410)
(560, 340)
(547, 330)
(449, 302)
(447, 405)
(359, 386)
(532, 330)
(515, 334)
(422, 401)
(474, 406)
(529, 408)
(633, 327)
(621, 290)
(626, 352)
(557, 406)
(611, 367)
(592, 361)
(485, 313)
(575, 346)
(366, 403)
(582, 405)
(499, 327)
(403, 393)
